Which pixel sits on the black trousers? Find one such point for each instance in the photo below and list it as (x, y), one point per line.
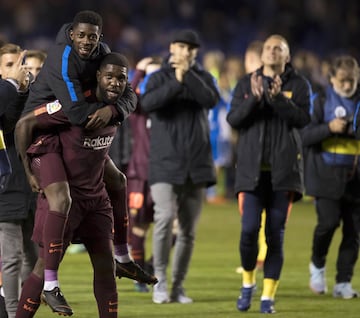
(277, 205)
(330, 215)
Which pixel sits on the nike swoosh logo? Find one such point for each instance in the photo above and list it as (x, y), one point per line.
(56, 244)
(55, 250)
(32, 302)
(112, 303)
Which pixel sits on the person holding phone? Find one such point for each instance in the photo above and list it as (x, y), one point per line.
(332, 176)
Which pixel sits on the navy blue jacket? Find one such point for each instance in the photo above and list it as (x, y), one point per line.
(323, 180)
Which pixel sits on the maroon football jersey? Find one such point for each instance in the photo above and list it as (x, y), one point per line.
(84, 153)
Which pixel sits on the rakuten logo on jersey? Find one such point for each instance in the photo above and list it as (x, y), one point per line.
(98, 142)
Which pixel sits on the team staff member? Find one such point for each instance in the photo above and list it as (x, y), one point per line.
(84, 153)
(17, 202)
(332, 176)
(177, 98)
(267, 108)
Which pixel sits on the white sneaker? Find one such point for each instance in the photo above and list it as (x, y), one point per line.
(178, 296)
(160, 294)
(317, 279)
(345, 291)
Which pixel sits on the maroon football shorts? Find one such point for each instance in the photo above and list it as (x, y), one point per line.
(50, 115)
(88, 219)
(48, 168)
(47, 140)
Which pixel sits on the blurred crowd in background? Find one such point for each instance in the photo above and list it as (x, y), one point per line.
(143, 27)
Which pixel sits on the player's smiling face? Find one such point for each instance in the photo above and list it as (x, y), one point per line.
(85, 37)
(112, 80)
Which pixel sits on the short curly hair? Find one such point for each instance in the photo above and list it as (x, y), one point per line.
(115, 59)
(90, 17)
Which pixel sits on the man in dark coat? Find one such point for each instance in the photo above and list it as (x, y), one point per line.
(17, 202)
(177, 98)
(332, 176)
(267, 109)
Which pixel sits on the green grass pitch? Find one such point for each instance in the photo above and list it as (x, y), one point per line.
(212, 281)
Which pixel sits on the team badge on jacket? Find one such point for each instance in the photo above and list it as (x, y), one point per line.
(287, 94)
(53, 107)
